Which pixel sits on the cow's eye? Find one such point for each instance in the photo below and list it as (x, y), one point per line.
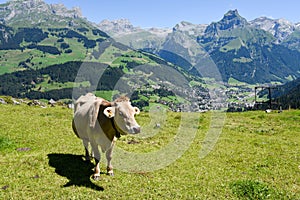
(120, 113)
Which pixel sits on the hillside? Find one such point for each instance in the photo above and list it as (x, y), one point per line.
(34, 35)
(35, 48)
(288, 95)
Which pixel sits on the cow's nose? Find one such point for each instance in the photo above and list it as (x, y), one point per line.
(136, 129)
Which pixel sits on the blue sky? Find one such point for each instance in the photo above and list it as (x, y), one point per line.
(167, 13)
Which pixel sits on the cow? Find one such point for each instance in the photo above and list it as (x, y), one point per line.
(99, 122)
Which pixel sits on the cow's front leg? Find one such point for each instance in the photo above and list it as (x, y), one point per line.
(95, 149)
(109, 165)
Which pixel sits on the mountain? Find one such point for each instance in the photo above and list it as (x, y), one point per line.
(117, 27)
(248, 54)
(285, 32)
(124, 32)
(240, 50)
(24, 13)
(279, 28)
(231, 20)
(260, 51)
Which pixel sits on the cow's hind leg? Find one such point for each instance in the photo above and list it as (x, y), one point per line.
(97, 157)
(86, 147)
(109, 165)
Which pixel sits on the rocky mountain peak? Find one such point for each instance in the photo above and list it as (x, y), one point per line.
(231, 14)
(28, 3)
(189, 28)
(279, 28)
(297, 25)
(232, 19)
(35, 12)
(119, 26)
(61, 10)
(182, 25)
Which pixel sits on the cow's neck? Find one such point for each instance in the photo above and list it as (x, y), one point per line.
(118, 131)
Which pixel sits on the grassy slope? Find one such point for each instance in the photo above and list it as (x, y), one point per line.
(254, 146)
(10, 59)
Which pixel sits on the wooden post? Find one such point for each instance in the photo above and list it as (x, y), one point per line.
(270, 98)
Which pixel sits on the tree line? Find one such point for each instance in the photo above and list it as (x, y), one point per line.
(22, 84)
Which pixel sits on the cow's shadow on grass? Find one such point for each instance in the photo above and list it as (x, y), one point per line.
(74, 168)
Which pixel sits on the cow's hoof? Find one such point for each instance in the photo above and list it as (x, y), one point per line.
(110, 174)
(96, 177)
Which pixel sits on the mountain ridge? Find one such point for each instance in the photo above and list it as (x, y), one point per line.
(248, 39)
(265, 23)
(22, 13)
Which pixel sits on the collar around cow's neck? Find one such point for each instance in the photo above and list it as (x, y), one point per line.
(118, 134)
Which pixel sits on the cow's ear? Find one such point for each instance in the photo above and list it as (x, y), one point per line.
(94, 111)
(109, 112)
(136, 110)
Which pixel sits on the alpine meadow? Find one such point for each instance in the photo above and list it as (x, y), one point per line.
(213, 111)
(256, 157)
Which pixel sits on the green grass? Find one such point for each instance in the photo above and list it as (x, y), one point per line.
(45, 86)
(10, 59)
(106, 94)
(256, 157)
(6, 144)
(232, 45)
(108, 55)
(233, 81)
(248, 189)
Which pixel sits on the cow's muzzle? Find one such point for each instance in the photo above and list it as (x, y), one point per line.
(136, 129)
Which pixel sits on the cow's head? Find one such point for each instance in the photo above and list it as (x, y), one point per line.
(123, 113)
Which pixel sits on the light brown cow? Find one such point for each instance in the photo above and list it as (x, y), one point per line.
(100, 122)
